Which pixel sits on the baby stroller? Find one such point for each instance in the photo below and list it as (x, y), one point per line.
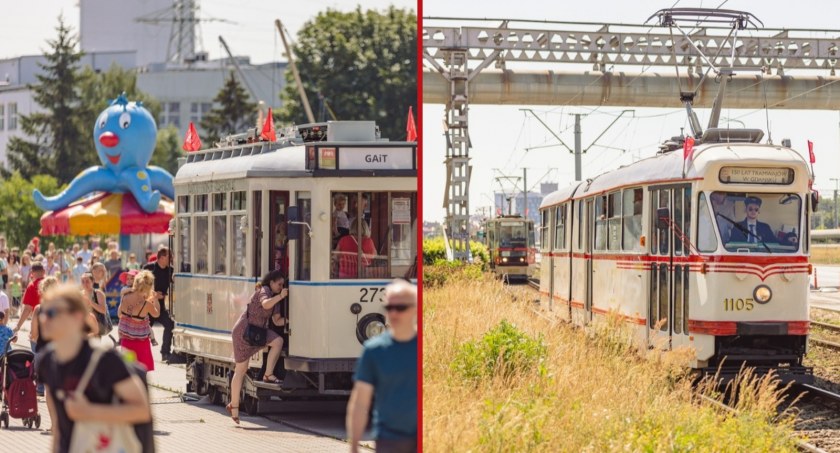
(18, 387)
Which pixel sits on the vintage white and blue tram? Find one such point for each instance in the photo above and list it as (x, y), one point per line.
(248, 206)
(708, 252)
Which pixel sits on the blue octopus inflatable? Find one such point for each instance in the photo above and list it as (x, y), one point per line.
(125, 135)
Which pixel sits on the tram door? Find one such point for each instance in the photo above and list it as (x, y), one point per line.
(668, 300)
(588, 238)
(279, 239)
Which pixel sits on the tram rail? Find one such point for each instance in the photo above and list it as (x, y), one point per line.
(801, 445)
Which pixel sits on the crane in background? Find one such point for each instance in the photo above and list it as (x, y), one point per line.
(304, 100)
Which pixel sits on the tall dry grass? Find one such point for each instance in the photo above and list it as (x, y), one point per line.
(825, 254)
(592, 394)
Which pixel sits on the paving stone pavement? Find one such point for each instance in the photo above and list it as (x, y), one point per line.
(197, 426)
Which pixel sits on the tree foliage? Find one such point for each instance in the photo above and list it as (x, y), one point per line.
(363, 63)
(168, 149)
(232, 112)
(54, 141)
(21, 218)
(98, 89)
(58, 140)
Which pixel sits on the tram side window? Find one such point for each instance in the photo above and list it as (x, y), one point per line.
(601, 223)
(183, 204)
(544, 239)
(381, 242)
(614, 222)
(580, 224)
(706, 239)
(184, 244)
(560, 228)
(632, 219)
(304, 246)
(201, 203)
(238, 242)
(201, 245)
(220, 244)
(678, 221)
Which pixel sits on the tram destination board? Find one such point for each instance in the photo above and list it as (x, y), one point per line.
(365, 157)
(750, 175)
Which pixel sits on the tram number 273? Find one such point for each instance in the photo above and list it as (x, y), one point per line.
(371, 294)
(738, 304)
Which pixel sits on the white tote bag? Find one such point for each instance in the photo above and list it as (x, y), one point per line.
(101, 437)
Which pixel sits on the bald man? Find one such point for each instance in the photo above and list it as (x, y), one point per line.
(387, 369)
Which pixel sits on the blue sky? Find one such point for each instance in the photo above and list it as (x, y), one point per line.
(500, 134)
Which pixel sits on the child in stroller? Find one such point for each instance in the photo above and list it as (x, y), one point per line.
(17, 376)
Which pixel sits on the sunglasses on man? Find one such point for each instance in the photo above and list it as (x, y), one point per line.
(399, 308)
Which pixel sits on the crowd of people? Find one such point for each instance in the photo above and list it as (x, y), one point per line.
(68, 306)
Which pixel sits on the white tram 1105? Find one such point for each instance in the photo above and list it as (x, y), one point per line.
(334, 207)
(704, 248)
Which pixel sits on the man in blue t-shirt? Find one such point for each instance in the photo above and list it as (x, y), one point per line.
(386, 373)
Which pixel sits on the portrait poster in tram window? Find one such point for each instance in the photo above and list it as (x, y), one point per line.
(401, 211)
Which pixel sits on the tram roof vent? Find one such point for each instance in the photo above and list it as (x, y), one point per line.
(724, 135)
(351, 131)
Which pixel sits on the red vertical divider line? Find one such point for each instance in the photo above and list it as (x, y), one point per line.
(420, 225)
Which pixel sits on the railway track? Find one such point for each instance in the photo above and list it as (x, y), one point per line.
(818, 418)
(833, 328)
(826, 326)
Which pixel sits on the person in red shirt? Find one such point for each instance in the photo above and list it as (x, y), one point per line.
(31, 297)
(347, 251)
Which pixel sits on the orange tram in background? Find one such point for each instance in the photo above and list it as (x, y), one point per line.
(510, 243)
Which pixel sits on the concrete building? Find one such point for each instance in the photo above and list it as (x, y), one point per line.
(114, 26)
(186, 94)
(140, 35)
(16, 97)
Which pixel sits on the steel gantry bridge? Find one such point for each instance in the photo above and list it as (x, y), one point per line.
(464, 65)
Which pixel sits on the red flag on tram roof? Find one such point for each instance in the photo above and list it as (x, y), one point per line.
(811, 151)
(191, 141)
(268, 132)
(411, 128)
(688, 148)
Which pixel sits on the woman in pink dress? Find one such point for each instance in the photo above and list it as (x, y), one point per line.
(264, 303)
(136, 306)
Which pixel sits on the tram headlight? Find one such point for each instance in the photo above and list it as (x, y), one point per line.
(371, 325)
(504, 260)
(374, 328)
(762, 294)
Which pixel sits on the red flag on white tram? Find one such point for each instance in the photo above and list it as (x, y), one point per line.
(410, 127)
(688, 148)
(268, 131)
(191, 141)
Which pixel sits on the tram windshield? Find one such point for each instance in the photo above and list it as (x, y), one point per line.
(373, 234)
(755, 222)
(513, 234)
